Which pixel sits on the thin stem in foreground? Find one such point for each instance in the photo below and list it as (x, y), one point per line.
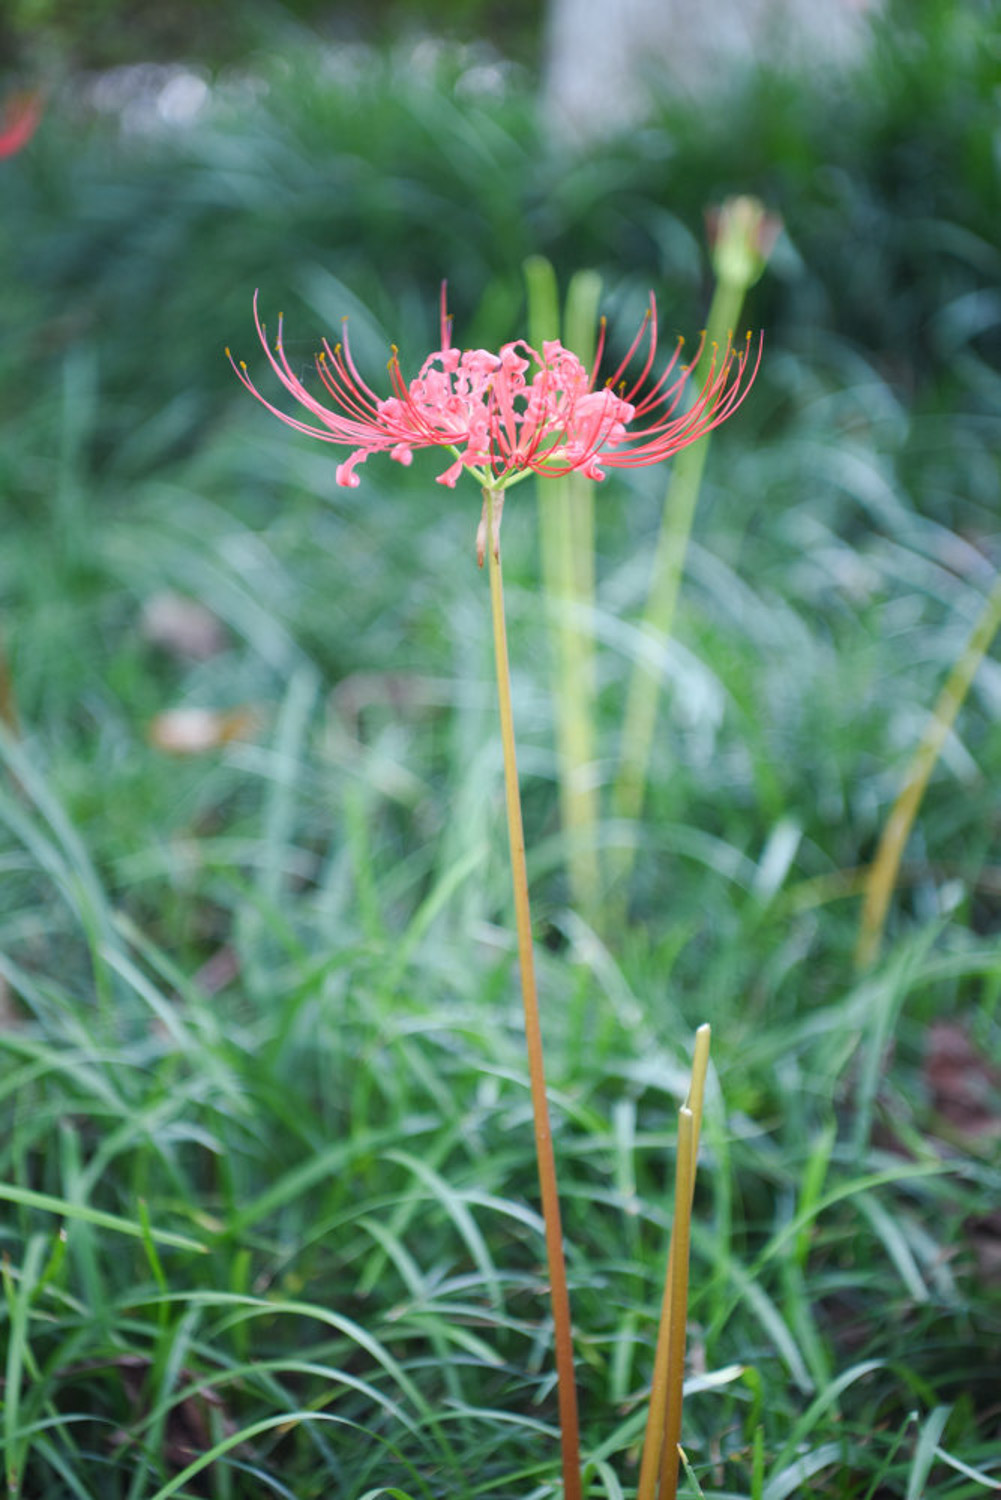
(559, 1294)
(659, 1469)
(678, 1284)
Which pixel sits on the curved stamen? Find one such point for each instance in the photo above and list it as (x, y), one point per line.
(498, 418)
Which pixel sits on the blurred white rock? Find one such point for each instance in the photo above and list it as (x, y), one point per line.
(606, 59)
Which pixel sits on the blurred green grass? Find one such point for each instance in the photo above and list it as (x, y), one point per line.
(267, 990)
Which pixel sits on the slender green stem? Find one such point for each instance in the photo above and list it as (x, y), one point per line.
(643, 696)
(882, 876)
(559, 1294)
(570, 592)
(566, 549)
(580, 321)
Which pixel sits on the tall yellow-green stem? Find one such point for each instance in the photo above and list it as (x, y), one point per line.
(566, 550)
(659, 1467)
(745, 236)
(643, 695)
(558, 1291)
(882, 875)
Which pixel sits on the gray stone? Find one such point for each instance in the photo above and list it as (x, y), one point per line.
(606, 59)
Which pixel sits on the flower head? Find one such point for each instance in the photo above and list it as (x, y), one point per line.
(503, 416)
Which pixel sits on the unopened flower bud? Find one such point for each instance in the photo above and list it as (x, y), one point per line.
(742, 235)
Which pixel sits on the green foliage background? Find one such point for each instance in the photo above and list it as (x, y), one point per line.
(109, 33)
(268, 992)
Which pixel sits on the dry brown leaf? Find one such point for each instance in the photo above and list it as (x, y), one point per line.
(188, 1430)
(218, 971)
(964, 1086)
(10, 1015)
(985, 1238)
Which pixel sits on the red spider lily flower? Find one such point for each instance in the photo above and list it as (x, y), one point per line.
(503, 416)
(21, 114)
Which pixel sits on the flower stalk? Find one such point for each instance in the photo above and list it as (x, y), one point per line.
(545, 1158)
(566, 556)
(744, 235)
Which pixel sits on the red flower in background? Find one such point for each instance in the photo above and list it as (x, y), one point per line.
(21, 114)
